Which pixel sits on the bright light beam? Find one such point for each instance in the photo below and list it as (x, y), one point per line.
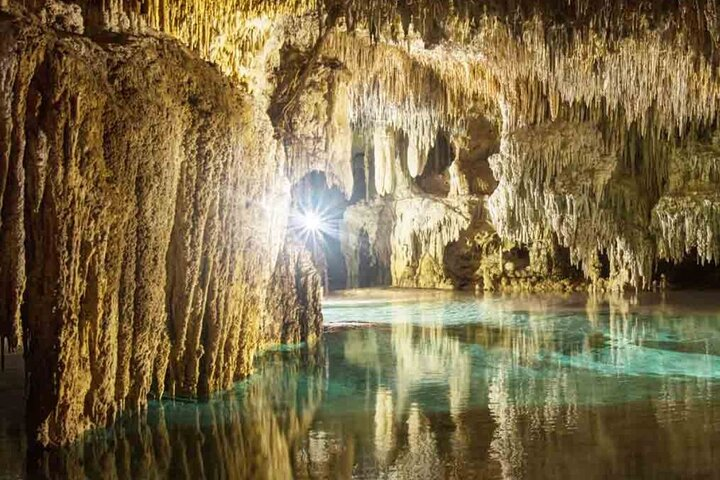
(312, 222)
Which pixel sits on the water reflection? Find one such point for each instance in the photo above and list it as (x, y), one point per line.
(248, 433)
(611, 387)
(442, 386)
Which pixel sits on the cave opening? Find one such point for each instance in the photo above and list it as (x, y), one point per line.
(435, 178)
(318, 210)
(603, 265)
(690, 273)
(363, 169)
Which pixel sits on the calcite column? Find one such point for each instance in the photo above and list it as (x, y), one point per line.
(137, 242)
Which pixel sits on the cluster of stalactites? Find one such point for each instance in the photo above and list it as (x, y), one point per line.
(424, 65)
(687, 217)
(410, 90)
(637, 201)
(426, 227)
(617, 16)
(653, 61)
(398, 158)
(646, 79)
(555, 182)
(687, 222)
(409, 236)
(656, 82)
(200, 21)
(652, 66)
(242, 37)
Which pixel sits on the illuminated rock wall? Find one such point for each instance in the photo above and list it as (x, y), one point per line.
(632, 82)
(144, 198)
(607, 121)
(143, 210)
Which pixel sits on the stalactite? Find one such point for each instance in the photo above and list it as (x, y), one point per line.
(687, 217)
(294, 299)
(130, 220)
(365, 242)
(133, 231)
(317, 131)
(559, 181)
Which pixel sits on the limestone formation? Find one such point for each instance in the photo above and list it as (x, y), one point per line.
(294, 299)
(504, 145)
(252, 435)
(139, 224)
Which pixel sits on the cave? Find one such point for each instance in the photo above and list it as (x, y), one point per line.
(318, 211)
(690, 273)
(434, 178)
(274, 239)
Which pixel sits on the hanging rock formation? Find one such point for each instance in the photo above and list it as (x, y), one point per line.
(294, 298)
(521, 145)
(605, 119)
(143, 210)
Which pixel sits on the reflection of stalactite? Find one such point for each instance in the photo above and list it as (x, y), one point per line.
(506, 446)
(427, 354)
(421, 460)
(459, 384)
(384, 425)
(248, 434)
(543, 407)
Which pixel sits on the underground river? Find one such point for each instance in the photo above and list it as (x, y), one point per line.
(438, 385)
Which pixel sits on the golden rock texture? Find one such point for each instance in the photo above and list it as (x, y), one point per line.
(639, 77)
(294, 298)
(515, 145)
(139, 228)
(251, 435)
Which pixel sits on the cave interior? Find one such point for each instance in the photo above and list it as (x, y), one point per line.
(183, 182)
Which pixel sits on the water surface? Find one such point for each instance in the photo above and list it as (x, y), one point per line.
(441, 385)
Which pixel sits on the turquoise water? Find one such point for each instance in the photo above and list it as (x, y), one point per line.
(441, 385)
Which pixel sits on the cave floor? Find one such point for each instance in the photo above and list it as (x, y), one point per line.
(432, 384)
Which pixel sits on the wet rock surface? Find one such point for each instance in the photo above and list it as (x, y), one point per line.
(136, 248)
(502, 146)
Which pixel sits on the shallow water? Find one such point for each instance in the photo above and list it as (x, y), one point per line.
(442, 385)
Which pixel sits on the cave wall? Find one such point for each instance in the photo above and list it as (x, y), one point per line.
(510, 145)
(294, 298)
(144, 207)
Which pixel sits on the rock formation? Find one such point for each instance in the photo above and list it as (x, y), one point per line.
(598, 114)
(515, 145)
(254, 432)
(140, 225)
